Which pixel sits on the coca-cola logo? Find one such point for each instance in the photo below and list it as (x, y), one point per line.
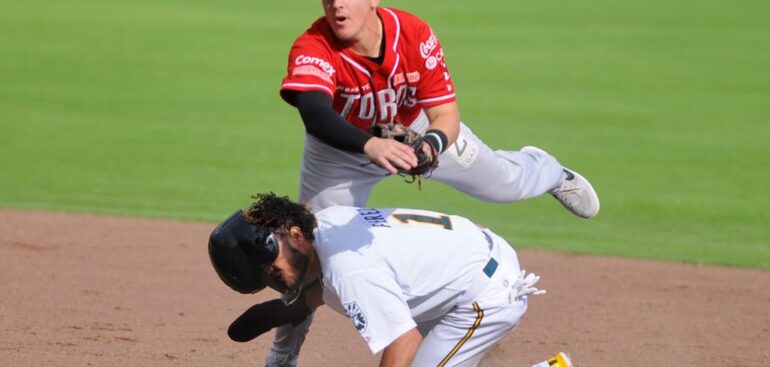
(431, 63)
(427, 47)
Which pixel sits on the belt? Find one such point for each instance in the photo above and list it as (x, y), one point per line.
(481, 279)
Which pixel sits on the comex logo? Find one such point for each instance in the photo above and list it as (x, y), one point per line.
(317, 61)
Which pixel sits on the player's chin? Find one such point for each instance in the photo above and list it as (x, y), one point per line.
(343, 34)
(343, 31)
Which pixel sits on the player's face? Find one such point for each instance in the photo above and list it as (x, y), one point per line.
(348, 18)
(288, 270)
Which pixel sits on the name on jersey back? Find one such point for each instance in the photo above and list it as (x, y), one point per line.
(373, 217)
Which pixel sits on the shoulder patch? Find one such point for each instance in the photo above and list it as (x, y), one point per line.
(321, 63)
(356, 315)
(311, 70)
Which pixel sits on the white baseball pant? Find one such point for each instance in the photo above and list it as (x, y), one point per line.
(482, 317)
(331, 176)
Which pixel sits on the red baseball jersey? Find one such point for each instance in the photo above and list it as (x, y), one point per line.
(413, 73)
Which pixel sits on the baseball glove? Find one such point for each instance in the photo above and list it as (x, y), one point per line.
(425, 163)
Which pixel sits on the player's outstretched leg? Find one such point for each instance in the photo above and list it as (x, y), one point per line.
(501, 176)
(574, 192)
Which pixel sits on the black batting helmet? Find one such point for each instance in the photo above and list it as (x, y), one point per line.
(239, 250)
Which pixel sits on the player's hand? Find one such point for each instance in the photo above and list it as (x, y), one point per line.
(428, 150)
(388, 153)
(525, 286)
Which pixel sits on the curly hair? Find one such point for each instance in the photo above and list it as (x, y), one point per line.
(273, 212)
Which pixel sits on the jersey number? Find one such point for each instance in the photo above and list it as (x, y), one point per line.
(441, 220)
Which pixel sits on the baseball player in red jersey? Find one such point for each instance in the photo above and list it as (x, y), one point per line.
(363, 66)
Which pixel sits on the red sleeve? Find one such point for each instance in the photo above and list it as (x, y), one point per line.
(435, 85)
(310, 67)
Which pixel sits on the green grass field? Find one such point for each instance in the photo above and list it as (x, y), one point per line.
(169, 108)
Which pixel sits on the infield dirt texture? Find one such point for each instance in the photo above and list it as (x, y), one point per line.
(82, 290)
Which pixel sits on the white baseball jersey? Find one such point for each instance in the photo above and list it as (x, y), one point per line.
(391, 269)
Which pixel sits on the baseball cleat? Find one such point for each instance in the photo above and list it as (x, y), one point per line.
(577, 195)
(560, 360)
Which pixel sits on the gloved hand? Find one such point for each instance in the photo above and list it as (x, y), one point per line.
(525, 286)
(427, 155)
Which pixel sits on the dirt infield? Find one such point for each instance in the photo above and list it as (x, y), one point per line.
(80, 290)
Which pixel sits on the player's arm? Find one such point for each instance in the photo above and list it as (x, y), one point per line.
(263, 317)
(444, 125)
(322, 122)
(401, 352)
(327, 125)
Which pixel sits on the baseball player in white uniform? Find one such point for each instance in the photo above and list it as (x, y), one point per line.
(424, 288)
(362, 67)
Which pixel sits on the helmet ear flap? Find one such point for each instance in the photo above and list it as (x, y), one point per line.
(236, 250)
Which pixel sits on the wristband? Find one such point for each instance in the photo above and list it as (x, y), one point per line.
(437, 139)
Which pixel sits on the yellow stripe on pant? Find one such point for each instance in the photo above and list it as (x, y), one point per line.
(479, 316)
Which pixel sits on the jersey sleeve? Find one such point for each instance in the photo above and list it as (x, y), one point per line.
(435, 85)
(309, 68)
(376, 306)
